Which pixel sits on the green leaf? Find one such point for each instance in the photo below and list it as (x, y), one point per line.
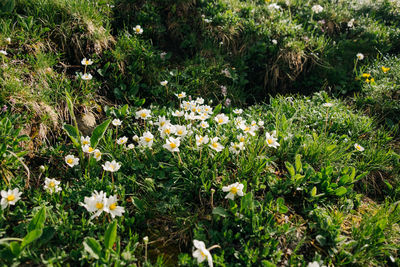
(93, 247)
(15, 248)
(220, 211)
(314, 192)
(37, 221)
(98, 133)
(290, 169)
(340, 191)
(299, 166)
(70, 105)
(31, 236)
(124, 110)
(138, 203)
(217, 109)
(73, 134)
(110, 235)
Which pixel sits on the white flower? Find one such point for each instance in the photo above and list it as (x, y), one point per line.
(131, 146)
(87, 149)
(313, 264)
(71, 160)
(201, 253)
(199, 101)
(87, 76)
(116, 122)
(95, 203)
(112, 166)
(9, 197)
(162, 55)
(85, 140)
(147, 139)
(215, 145)
(52, 185)
(138, 29)
(233, 189)
(181, 95)
(143, 114)
(162, 121)
(221, 119)
(8, 40)
(236, 147)
(86, 62)
(206, 109)
(112, 208)
(172, 144)
(207, 20)
(167, 130)
(3, 52)
(274, 6)
(350, 24)
(247, 129)
(360, 56)
(317, 9)
(204, 124)
(180, 130)
(271, 140)
(275, 42)
(238, 111)
(178, 113)
(241, 138)
(327, 105)
(122, 140)
(260, 123)
(358, 147)
(97, 154)
(201, 140)
(164, 83)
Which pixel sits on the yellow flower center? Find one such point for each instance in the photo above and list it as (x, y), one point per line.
(172, 145)
(52, 184)
(90, 149)
(202, 254)
(162, 123)
(70, 160)
(85, 142)
(147, 139)
(10, 198)
(180, 95)
(113, 206)
(112, 167)
(137, 29)
(167, 131)
(246, 129)
(180, 132)
(234, 190)
(215, 145)
(241, 139)
(220, 120)
(201, 139)
(97, 155)
(143, 115)
(87, 62)
(99, 205)
(270, 141)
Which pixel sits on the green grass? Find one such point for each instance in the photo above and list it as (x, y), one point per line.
(317, 197)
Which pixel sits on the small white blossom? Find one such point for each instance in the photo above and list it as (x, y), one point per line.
(52, 185)
(233, 189)
(317, 9)
(112, 166)
(116, 122)
(360, 56)
(9, 197)
(71, 160)
(358, 147)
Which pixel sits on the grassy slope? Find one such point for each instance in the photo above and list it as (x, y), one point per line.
(281, 219)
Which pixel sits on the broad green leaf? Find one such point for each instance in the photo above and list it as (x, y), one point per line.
(220, 211)
(15, 248)
(217, 109)
(93, 247)
(124, 110)
(344, 179)
(353, 174)
(98, 133)
(299, 166)
(290, 169)
(37, 221)
(31, 236)
(138, 203)
(110, 235)
(314, 192)
(73, 133)
(340, 191)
